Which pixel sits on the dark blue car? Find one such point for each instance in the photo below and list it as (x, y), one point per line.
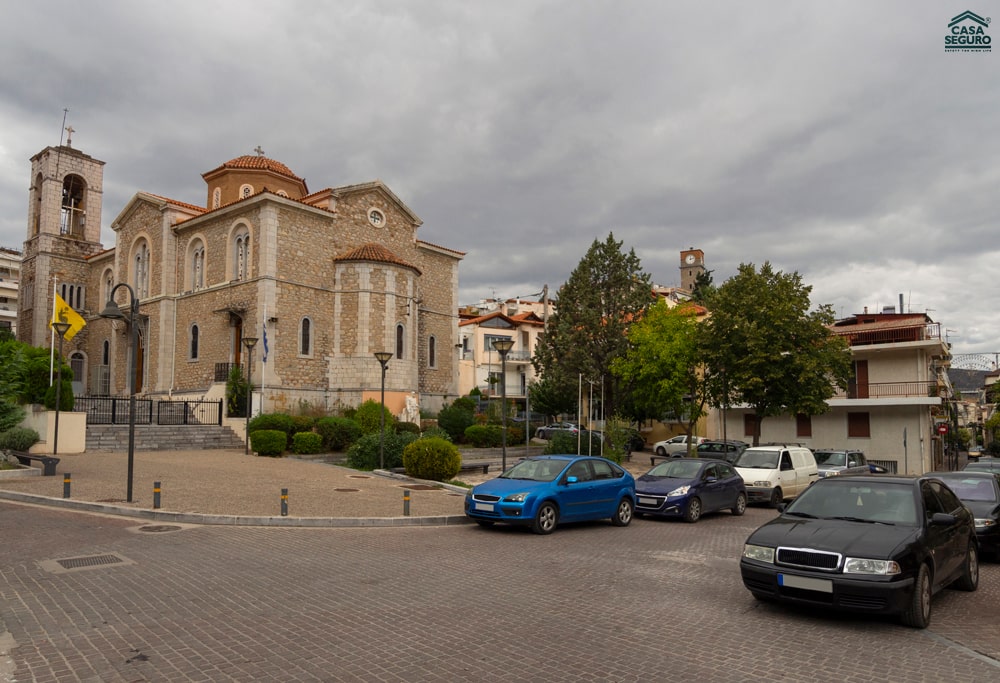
(540, 492)
(689, 487)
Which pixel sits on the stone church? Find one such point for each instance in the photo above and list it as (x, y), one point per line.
(328, 278)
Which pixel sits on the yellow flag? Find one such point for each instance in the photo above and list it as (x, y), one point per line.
(63, 313)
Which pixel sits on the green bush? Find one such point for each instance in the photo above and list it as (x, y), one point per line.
(364, 453)
(567, 444)
(67, 402)
(268, 442)
(302, 423)
(456, 417)
(436, 432)
(277, 421)
(338, 432)
(432, 458)
(236, 393)
(369, 417)
(410, 427)
(483, 436)
(307, 442)
(18, 439)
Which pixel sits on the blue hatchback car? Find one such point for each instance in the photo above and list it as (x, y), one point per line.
(542, 491)
(690, 487)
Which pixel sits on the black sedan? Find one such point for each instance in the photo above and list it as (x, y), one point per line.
(875, 544)
(980, 491)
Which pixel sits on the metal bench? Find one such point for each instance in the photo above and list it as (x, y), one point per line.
(48, 462)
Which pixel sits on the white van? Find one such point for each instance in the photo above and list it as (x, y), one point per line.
(776, 473)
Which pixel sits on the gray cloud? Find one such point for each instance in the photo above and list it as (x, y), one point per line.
(839, 141)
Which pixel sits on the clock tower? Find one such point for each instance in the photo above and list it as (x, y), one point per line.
(692, 265)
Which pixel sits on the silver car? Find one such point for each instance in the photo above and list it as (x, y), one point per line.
(832, 462)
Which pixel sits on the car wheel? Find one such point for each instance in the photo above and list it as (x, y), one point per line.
(918, 612)
(776, 498)
(485, 523)
(661, 451)
(545, 519)
(741, 505)
(623, 515)
(969, 580)
(693, 512)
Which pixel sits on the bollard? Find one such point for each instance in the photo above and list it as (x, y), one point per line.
(67, 479)
(406, 503)
(156, 495)
(284, 502)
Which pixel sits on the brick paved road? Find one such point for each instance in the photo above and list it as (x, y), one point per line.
(655, 601)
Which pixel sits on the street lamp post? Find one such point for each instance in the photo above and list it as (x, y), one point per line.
(249, 343)
(61, 328)
(503, 347)
(383, 359)
(113, 312)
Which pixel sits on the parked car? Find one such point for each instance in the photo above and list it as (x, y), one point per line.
(677, 445)
(721, 450)
(868, 543)
(636, 442)
(980, 492)
(983, 465)
(776, 473)
(833, 462)
(876, 469)
(542, 491)
(547, 431)
(690, 487)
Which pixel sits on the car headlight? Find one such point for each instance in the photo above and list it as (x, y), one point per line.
(762, 484)
(860, 565)
(679, 491)
(833, 473)
(985, 523)
(515, 498)
(760, 553)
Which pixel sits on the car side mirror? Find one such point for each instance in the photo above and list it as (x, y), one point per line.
(942, 519)
(781, 507)
(571, 479)
(709, 480)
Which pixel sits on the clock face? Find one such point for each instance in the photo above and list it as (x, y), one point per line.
(689, 258)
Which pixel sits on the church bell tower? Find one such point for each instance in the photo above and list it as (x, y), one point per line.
(64, 228)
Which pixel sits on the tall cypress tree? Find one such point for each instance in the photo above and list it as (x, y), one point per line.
(604, 294)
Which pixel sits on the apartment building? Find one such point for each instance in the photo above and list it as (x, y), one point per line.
(10, 275)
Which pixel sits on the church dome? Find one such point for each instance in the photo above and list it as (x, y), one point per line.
(260, 163)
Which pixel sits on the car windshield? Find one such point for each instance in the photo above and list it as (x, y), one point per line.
(830, 458)
(987, 466)
(972, 488)
(535, 470)
(872, 502)
(677, 469)
(767, 460)
(711, 447)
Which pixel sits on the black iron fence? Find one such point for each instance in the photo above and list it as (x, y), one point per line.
(222, 371)
(113, 410)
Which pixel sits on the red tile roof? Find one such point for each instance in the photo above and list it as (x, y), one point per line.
(376, 253)
(260, 163)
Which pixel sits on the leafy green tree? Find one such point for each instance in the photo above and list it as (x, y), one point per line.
(457, 416)
(603, 296)
(12, 368)
(551, 398)
(703, 287)
(663, 364)
(766, 349)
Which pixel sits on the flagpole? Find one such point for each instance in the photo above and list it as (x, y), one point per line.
(52, 335)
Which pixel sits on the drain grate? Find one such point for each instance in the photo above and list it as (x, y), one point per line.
(347, 490)
(358, 476)
(92, 561)
(420, 487)
(159, 528)
(67, 564)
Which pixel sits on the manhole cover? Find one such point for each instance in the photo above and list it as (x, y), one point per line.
(157, 528)
(347, 490)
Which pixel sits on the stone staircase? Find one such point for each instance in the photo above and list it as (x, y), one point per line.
(162, 437)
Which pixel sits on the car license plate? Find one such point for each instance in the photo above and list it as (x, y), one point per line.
(647, 501)
(804, 582)
(485, 507)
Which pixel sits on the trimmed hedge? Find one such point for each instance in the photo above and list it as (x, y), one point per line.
(364, 453)
(307, 442)
(432, 458)
(483, 436)
(18, 439)
(274, 421)
(338, 432)
(270, 442)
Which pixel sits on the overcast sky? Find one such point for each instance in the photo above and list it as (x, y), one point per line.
(838, 140)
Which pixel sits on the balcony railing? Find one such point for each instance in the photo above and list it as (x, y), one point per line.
(890, 335)
(890, 390)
